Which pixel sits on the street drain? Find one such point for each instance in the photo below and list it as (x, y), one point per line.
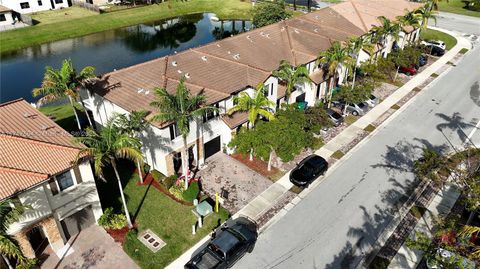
(151, 240)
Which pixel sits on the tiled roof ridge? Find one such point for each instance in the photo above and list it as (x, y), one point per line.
(290, 43)
(11, 102)
(307, 19)
(23, 171)
(358, 14)
(32, 140)
(229, 60)
(164, 75)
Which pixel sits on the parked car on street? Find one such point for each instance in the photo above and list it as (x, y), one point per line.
(434, 50)
(372, 100)
(335, 117)
(354, 109)
(308, 170)
(437, 43)
(227, 246)
(411, 70)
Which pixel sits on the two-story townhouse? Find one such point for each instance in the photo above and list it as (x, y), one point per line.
(225, 68)
(38, 170)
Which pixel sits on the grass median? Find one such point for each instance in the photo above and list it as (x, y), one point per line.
(430, 34)
(457, 7)
(46, 32)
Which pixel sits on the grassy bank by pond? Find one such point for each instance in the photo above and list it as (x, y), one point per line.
(457, 7)
(449, 40)
(42, 33)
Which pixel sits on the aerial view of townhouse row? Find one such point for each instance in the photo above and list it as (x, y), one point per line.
(239, 134)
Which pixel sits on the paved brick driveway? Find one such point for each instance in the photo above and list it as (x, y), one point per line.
(242, 183)
(92, 248)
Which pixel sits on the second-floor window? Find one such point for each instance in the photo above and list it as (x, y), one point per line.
(65, 181)
(24, 5)
(60, 183)
(40, 2)
(211, 114)
(58, 1)
(174, 131)
(271, 89)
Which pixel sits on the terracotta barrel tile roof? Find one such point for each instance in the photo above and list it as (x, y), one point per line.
(235, 119)
(13, 181)
(317, 76)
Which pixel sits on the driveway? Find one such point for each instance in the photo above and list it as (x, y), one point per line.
(223, 172)
(92, 248)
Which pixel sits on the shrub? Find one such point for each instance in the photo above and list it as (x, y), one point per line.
(177, 191)
(168, 182)
(146, 168)
(317, 143)
(109, 220)
(157, 175)
(191, 193)
(29, 264)
(317, 118)
(266, 13)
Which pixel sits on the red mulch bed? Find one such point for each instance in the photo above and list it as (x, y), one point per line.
(119, 235)
(256, 165)
(148, 179)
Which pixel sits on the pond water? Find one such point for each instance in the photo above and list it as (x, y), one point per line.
(22, 70)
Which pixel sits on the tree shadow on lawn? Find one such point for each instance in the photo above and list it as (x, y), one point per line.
(398, 161)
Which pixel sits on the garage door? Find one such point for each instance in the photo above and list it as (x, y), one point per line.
(212, 147)
(73, 224)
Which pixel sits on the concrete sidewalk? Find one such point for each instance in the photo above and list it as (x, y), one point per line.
(274, 192)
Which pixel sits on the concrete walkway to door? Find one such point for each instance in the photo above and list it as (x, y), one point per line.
(92, 248)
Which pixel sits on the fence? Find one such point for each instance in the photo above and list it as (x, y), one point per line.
(85, 5)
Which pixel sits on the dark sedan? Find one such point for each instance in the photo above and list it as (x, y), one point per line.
(308, 170)
(227, 246)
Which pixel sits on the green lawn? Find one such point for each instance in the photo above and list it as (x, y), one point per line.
(456, 6)
(24, 37)
(62, 115)
(449, 40)
(61, 15)
(151, 209)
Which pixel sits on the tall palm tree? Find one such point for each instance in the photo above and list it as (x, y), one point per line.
(105, 147)
(9, 248)
(410, 18)
(181, 108)
(331, 59)
(257, 105)
(355, 46)
(386, 29)
(426, 13)
(64, 82)
(133, 125)
(291, 76)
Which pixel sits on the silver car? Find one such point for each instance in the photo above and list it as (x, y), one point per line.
(358, 109)
(372, 101)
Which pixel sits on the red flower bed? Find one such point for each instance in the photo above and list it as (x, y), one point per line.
(256, 165)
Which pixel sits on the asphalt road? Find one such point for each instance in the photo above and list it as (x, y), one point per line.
(341, 218)
(460, 23)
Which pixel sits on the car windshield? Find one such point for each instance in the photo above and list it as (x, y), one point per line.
(372, 97)
(361, 105)
(335, 115)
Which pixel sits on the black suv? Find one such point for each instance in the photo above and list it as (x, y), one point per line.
(308, 170)
(227, 246)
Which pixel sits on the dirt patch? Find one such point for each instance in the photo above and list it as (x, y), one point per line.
(256, 165)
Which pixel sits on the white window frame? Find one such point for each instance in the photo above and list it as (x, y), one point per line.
(69, 187)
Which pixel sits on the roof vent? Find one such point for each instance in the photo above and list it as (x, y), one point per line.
(45, 127)
(236, 56)
(147, 92)
(114, 69)
(267, 35)
(174, 63)
(282, 29)
(229, 52)
(296, 31)
(218, 45)
(204, 58)
(249, 38)
(179, 71)
(262, 33)
(26, 115)
(187, 75)
(140, 90)
(174, 52)
(315, 30)
(317, 17)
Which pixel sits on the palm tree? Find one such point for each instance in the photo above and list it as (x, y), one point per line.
(331, 59)
(9, 248)
(355, 46)
(133, 125)
(385, 29)
(258, 105)
(426, 13)
(411, 18)
(291, 76)
(64, 82)
(105, 147)
(181, 108)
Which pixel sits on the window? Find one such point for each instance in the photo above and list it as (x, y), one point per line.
(58, 1)
(271, 89)
(174, 131)
(39, 2)
(24, 5)
(2, 17)
(212, 114)
(64, 181)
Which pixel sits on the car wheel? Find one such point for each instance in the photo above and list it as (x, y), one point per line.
(355, 113)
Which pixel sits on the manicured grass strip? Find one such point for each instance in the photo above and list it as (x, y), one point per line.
(463, 50)
(449, 40)
(62, 115)
(395, 106)
(296, 189)
(416, 89)
(62, 15)
(457, 6)
(350, 119)
(42, 33)
(338, 154)
(434, 75)
(369, 128)
(450, 63)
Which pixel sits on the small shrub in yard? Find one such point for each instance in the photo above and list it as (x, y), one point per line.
(191, 193)
(369, 128)
(130, 238)
(417, 211)
(464, 50)
(109, 220)
(338, 154)
(395, 106)
(434, 75)
(168, 182)
(177, 191)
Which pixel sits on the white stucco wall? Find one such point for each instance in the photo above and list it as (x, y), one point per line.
(8, 18)
(34, 5)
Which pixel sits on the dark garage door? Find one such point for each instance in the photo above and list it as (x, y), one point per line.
(212, 147)
(75, 223)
